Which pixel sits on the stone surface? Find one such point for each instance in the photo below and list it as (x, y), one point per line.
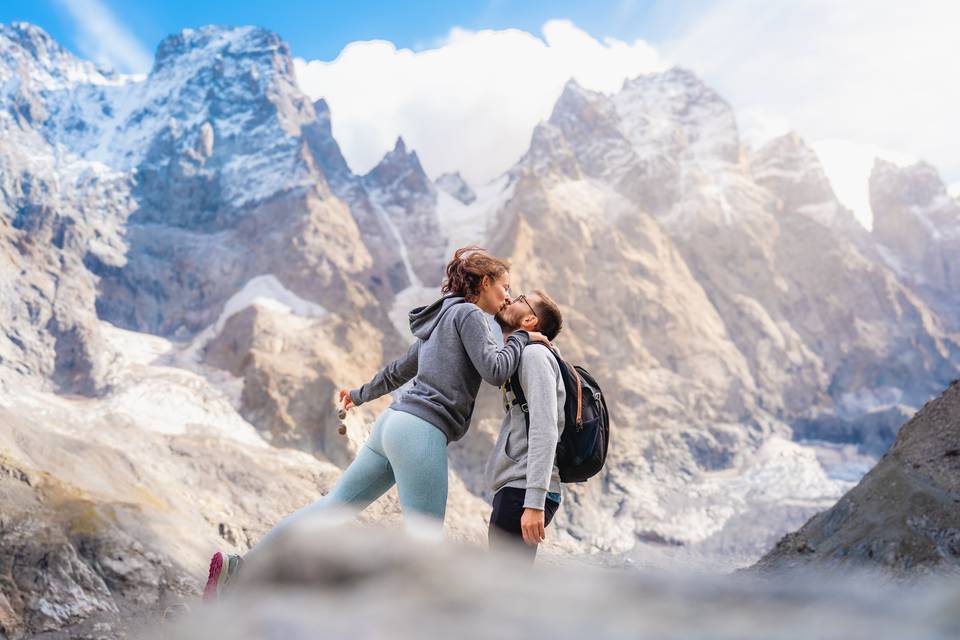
(903, 517)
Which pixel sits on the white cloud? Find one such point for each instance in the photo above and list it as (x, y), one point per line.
(100, 36)
(470, 104)
(875, 72)
(848, 165)
(856, 79)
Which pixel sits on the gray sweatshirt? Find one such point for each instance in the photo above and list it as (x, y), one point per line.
(530, 462)
(455, 350)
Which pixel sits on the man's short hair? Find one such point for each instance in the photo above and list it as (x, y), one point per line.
(548, 314)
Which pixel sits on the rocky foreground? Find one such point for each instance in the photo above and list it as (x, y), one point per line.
(330, 583)
(904, 516)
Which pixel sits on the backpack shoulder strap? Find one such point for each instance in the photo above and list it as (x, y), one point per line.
(571, 378)
(513, 383)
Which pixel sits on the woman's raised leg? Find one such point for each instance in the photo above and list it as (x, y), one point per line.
(367, 478)
(417, 452)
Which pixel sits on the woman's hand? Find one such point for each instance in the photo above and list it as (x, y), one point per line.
(536, 336)
(345, 400)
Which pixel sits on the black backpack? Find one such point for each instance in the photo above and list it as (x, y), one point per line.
(582, 449)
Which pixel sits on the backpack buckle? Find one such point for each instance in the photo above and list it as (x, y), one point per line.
(524, 408)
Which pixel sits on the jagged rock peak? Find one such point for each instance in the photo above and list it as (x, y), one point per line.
(326, 151)
(913, 214)
(213, 40)
(32, 38)
(917, 184)
(788, 163)
(399, 156)
(29, 51)
(575, 102)
(789, 144)
(676, 105)
(549, 152)
(323, 114)
(400, 165)
(454, 185)
(681, 82)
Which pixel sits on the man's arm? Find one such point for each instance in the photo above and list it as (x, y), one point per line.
(538, 377)
(390, 377)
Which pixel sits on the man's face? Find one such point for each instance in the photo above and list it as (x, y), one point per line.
(512, 316)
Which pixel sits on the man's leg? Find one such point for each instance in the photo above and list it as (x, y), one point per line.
(504, 533)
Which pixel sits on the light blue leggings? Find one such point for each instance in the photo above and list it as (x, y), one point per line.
(401, 449)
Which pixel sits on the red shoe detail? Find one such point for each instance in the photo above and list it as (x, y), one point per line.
(216, 567)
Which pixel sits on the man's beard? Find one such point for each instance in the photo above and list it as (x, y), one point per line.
(504, 324)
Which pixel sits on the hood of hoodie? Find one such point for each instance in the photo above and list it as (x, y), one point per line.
(423, 320)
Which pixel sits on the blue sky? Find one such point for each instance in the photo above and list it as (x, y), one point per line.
(320, 30)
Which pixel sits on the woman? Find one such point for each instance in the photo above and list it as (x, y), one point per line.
(455, 350)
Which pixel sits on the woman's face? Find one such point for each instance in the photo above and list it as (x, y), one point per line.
(495, 294)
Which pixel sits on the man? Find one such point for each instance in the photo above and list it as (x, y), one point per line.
(522, 469)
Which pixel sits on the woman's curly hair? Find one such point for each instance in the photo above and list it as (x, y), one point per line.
(466, 270)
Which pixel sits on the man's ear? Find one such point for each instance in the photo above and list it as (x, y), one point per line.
(530, 323)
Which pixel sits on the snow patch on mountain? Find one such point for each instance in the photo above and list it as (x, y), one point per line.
(454, 185)
(268, 292)
(892, 260)
(865, 400)
(466, 224)
(589, 200)
(410, 298)
(265, 291)
(462, 225)
(729, 517)
(147, 394)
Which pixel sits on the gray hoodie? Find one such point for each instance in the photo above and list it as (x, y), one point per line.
(455, 350)
(527, 460)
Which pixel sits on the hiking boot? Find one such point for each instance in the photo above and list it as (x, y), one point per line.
(223, 569)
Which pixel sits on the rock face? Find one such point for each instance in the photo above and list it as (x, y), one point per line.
(287, 364)
(903, 517)
(54, 211)
(917, 224)
(225, 183)
(400, 189)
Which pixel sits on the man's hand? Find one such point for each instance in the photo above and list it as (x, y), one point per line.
(531, 524)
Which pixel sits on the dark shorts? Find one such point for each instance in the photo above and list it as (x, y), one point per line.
(504, 532)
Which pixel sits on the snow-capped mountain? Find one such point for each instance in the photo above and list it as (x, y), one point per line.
(191, 254)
